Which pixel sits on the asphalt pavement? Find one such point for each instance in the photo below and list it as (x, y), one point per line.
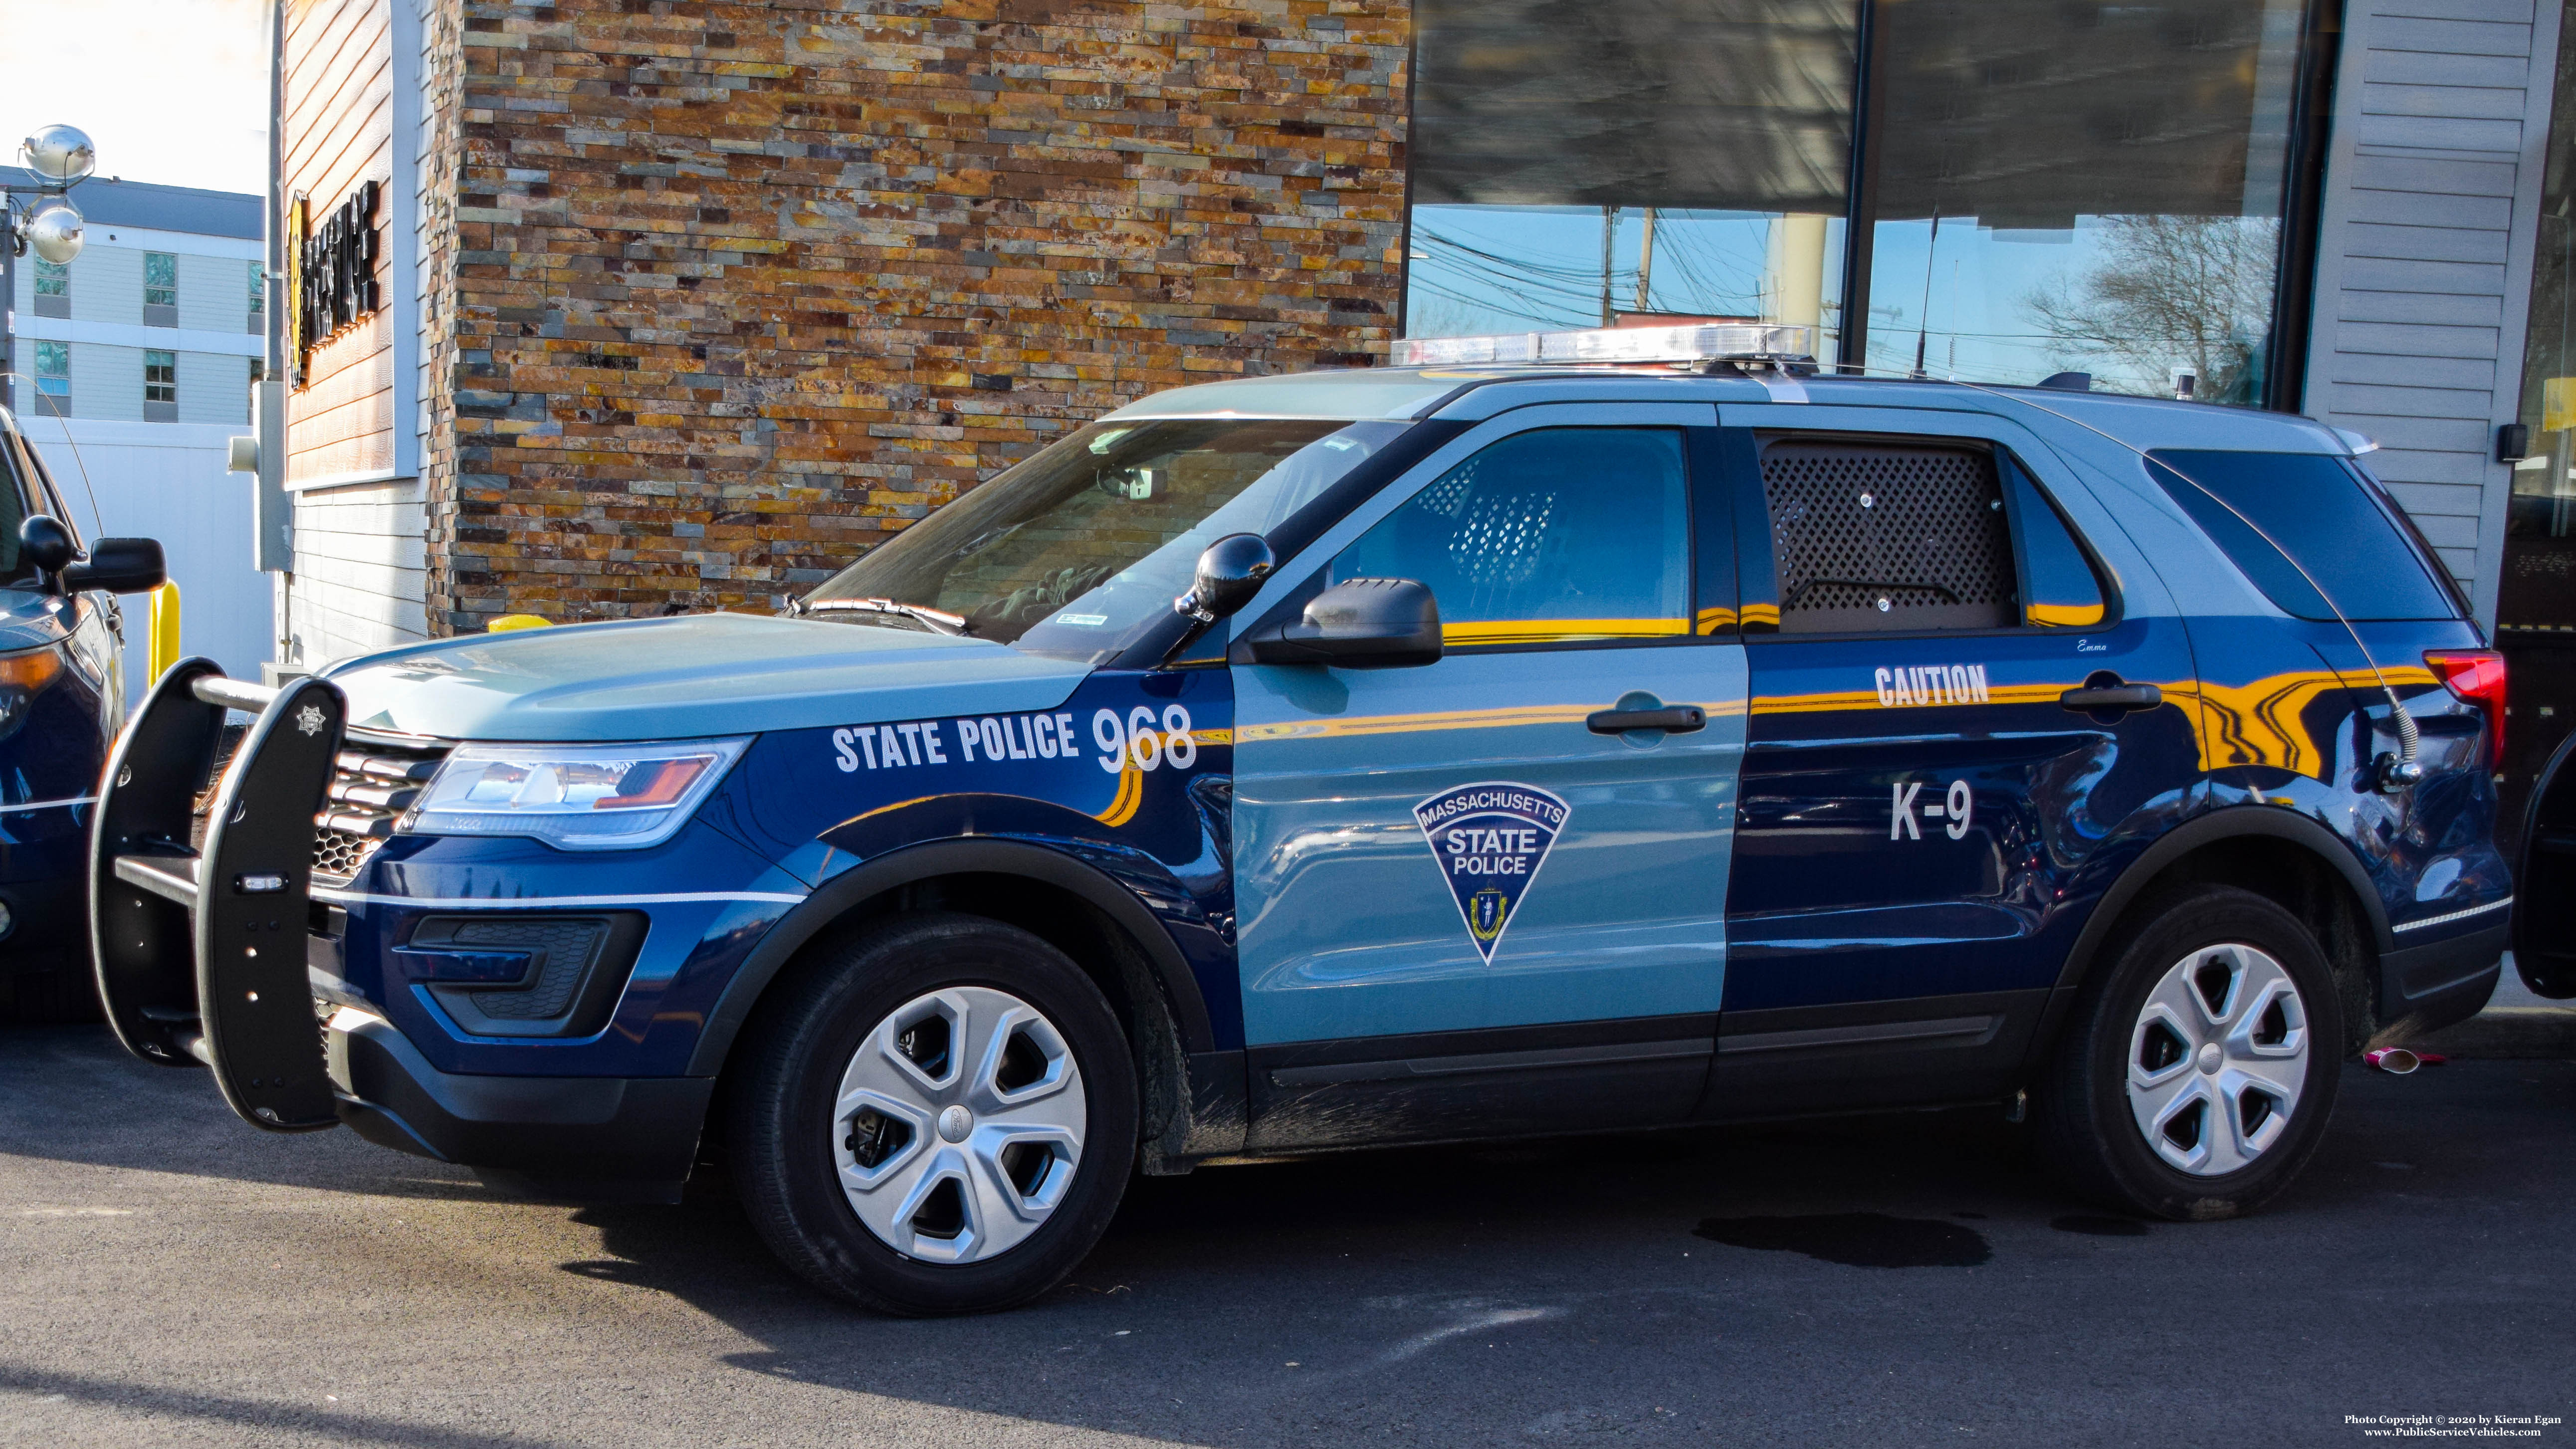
(169, 1275)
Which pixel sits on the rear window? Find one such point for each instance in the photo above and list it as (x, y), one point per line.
(2319, 511)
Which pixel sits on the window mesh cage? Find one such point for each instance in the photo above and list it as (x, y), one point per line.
(1887, 537)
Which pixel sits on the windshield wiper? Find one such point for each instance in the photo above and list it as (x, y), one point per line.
(937, 621)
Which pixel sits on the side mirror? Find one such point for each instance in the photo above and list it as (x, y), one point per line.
(1230, 571)
(120, 566)
(1358, 624)
(44, 542)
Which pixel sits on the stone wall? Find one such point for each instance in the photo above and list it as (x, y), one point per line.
(740, 288)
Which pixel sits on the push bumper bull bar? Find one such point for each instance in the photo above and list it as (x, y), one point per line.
(201, 958)
(200, 950)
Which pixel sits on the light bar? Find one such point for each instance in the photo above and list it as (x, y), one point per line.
(1693, 342)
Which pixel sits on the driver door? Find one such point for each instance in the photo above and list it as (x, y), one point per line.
(1464, 910)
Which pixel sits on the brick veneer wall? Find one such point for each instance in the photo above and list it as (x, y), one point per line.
(738, 289)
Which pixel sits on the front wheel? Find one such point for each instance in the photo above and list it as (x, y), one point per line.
(936, 1117)
(2199, 1069)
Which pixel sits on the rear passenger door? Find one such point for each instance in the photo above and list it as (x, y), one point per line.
(1924, 816)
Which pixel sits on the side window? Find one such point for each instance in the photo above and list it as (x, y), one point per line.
(1551, 536)
(2300, 522)
(2060, 588)
(1890, 537)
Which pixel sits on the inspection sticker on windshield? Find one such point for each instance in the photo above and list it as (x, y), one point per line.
(1490, 840)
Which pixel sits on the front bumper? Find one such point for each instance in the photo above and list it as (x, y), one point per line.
(44, 870)
(588, 1138)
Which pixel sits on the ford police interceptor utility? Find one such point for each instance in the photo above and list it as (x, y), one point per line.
(1585, 731)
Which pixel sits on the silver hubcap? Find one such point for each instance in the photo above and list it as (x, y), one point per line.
(2217, 1059)
(958, 1125)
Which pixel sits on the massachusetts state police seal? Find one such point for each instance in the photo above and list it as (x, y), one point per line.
(1490, 840)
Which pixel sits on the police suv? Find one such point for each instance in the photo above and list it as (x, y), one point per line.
(1558, 733)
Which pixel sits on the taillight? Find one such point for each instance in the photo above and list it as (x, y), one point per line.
(2475, 675)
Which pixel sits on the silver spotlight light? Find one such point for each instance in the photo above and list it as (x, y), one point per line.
(62, 155)
(55, 232)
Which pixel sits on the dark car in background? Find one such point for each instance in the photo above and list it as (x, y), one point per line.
(62, 699)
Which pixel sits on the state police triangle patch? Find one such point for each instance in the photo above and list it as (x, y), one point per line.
(1490, 840)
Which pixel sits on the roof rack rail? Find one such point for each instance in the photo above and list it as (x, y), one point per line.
(1702, 342)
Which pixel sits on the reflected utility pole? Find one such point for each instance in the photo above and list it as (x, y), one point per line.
(1609, 230)
(1646, 263)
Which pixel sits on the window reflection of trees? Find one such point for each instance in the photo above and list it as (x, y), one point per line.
(2168, 293)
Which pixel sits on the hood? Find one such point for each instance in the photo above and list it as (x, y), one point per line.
(690, 677)
(32, 620)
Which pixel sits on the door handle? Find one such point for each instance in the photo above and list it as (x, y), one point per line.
(1678, 719)
(2112, 698)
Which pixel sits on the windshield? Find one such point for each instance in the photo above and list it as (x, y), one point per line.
(17, 493)
(1081, 548)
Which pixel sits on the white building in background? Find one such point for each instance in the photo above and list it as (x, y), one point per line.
(130, 370)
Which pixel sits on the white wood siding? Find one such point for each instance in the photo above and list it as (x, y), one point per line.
(214, 294)
(107, 382)
(360, 553)
(106, 284)
(2424, 255)
(214, 388)
(359, 571)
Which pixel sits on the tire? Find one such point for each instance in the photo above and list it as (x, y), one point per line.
(2117, 1113)
(1008, 1125)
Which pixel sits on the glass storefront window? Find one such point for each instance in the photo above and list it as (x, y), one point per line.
(2540, 520)
(2043, 186)
(2081, 188)
(1647, 162)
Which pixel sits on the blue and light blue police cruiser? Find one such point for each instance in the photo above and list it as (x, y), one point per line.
(1589, 731)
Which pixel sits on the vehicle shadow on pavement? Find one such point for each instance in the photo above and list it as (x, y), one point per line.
(1614, 1284)
(134, 1114)
(1886, 1279)
(264, 1417)
(1248, 1291)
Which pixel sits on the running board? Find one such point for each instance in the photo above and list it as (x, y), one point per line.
(200, 953)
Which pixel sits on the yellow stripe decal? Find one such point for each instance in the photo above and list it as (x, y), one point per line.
(1712, 620)
(1399, 724)
(2236, 724)
(1471, 633)
(1131, 794)
(2066, 616)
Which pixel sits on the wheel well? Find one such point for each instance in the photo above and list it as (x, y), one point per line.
(1114, 961)
(2293, 877)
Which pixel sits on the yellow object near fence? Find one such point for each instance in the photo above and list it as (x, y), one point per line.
(2557, 404)
(163, 650)
(508, 622)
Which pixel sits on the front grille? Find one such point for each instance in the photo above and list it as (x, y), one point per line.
(376, 778)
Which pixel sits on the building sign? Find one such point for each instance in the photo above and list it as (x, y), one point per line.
(331, 272)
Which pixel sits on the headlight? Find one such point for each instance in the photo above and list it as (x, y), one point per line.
(578, 797)
(22, 678)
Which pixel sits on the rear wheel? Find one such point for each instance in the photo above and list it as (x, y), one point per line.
(937, 1117)
(2200, 1068)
